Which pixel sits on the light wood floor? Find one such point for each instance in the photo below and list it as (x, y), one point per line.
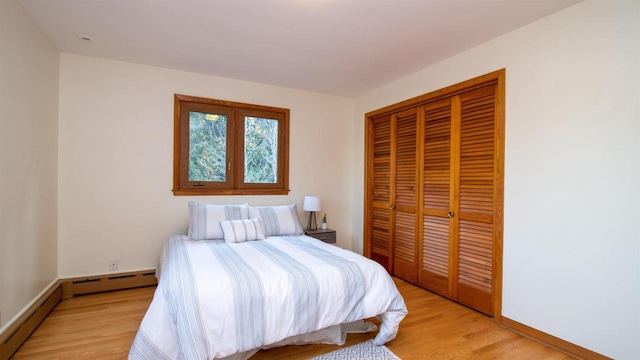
(102, 326)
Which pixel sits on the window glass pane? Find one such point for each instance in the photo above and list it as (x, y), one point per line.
(260, 150)
(207, 146)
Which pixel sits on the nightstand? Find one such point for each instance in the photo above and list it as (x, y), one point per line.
(327, 235)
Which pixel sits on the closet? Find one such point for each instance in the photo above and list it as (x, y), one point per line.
(434, 191)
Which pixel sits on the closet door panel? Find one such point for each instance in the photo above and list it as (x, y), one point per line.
(404, 265)
(435, 255)
(475, 265)
(379, 212)
(477, 153)
(436, 196)
(476, 202)
(437, 156)
(380, 236)
(406, 159)
(406, 183)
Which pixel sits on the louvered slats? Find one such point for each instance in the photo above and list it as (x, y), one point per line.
(474, 254)
(437, 155)
(381, 159)
(436, 195)
(435, 254)
(380, 232)
(404, 259)
(477, 151)
(476, 187)
(477, 161)
(405, 233)
(406, 159)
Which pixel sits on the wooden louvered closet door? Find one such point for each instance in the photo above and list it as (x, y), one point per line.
(404, 206)
(433, 192)
(392, 214)
(379, 196)
(437, 197)
(477, 157)
(458, 197)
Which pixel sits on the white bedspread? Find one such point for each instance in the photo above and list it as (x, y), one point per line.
(216, 299)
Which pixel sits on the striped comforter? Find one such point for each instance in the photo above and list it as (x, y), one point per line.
(217, 300)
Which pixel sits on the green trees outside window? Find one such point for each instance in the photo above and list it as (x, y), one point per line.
(260, 150)
(207, 146)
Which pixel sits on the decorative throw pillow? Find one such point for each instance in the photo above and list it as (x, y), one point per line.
(236, 231)
(205, 219)
(278, 220)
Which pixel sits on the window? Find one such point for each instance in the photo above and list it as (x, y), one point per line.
(228, 148)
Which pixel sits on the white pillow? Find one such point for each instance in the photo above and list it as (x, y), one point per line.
(205, 219)
(278, 220)
(236, 231)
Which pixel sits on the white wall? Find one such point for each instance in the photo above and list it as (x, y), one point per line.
(116, 159)
(572, 169)
(28, 160)
(572, 189)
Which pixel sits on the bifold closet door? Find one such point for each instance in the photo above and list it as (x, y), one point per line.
(379, 195)
(434, 191)
(458, 196)
(478, 194)
(404, 192)
(393, 181)
(438, 180)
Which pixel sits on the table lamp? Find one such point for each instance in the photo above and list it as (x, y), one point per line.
(312, 203)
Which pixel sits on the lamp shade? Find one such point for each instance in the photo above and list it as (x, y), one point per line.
(312, 203)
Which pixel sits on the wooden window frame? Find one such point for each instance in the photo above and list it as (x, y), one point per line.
(235, 112)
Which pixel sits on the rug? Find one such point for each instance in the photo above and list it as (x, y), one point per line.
(362, 351)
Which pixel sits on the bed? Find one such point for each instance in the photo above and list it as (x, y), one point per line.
(219, 298)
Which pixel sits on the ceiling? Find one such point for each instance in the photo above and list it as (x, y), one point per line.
(339, 47)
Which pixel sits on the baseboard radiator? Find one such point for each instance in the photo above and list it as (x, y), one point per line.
(16, 334)
(111, 282)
